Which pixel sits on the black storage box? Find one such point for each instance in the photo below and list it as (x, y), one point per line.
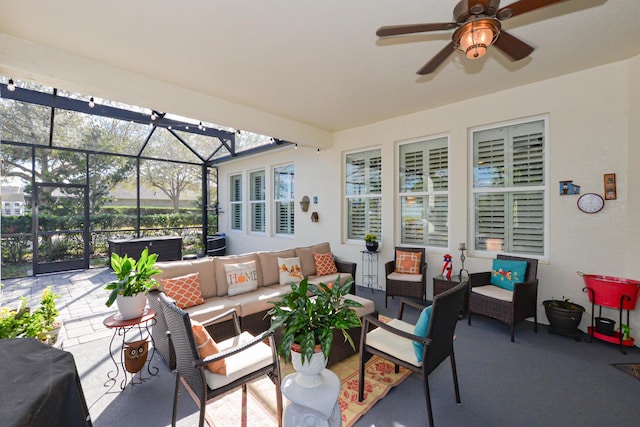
(605, 326)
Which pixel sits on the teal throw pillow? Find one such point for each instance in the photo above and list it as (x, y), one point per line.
(421, 330)
(505, 273)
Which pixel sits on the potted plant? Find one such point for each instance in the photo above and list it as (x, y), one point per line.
(133, 283)
(371, 242)
(564, 316)
(307, 323)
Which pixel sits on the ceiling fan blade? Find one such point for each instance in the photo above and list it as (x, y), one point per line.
(396, 30)
(523, 6)
(513, 47)
(431, 66)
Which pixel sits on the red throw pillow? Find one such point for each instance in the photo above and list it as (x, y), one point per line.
(185, 290)
(325, 264)
(206, 347)
(408, 262)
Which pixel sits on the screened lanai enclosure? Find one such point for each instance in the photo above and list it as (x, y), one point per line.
(80, 172)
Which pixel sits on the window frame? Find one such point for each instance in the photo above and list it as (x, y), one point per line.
(512, 189)
(277, 201)
(255, 202)
(368, 195)
(233, 203)
(439, 139)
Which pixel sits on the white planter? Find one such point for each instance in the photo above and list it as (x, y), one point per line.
(309, 373)
(131, 307)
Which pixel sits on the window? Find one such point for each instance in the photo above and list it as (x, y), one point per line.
(424, 192)
(257, 201)
(17, 208)
(235, 200)
(509, 189)
(283, 199)
(363, 188)
(6, 207)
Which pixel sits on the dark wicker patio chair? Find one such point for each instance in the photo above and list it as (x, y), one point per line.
(406, 285)
(394, 341)
(510, 308)
(253, 359)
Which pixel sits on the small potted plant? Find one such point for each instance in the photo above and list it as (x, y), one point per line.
(307, 323)
(564, 316)
(133, 283)
(371, 242)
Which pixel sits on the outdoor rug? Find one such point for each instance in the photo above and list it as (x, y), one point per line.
(632, 369)
(260, 406)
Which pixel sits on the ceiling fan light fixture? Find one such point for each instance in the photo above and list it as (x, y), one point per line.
(475, 37)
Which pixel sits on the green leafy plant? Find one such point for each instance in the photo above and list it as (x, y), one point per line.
(370, 238)
(21, 322)
(309, 321)
(133, 277)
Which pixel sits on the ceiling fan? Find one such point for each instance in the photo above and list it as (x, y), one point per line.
(477, 24)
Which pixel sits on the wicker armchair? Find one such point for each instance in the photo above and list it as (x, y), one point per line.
(248, 358)
(406, 285)
(508, 307)
(394, 341)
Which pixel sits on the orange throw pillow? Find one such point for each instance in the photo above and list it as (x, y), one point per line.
(325, 264)
(408, 262)
(206, 347)
(185, 290)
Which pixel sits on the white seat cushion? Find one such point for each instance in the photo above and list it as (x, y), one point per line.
(368, 306)
(394, 345)
(405, 277)
(492, 291)
(242, 363)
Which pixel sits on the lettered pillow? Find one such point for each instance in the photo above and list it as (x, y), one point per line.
(290, 270)
(206, 347)
(185, 290)
(504, 273)
(421, 329)
(325, 264)
(408, 262)
(241, 277)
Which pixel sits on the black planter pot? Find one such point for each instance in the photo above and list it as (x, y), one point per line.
(371, 246)
(564, 321)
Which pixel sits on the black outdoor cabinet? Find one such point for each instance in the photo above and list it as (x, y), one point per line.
(168, 248)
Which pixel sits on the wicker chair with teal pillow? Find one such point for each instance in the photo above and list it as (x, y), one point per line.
(509, 292)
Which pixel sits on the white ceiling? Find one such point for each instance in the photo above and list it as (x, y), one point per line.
(320, 62)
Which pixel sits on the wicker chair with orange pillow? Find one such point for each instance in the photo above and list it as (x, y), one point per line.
(407, 274)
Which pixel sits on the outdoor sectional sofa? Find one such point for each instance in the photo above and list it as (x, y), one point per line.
(251, 306)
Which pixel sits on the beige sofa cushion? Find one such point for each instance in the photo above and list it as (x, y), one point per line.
(259, 300)
(210, 308)
(204, 266)
(307, 262)
(269, 265)
(171, 269)
(221, 277)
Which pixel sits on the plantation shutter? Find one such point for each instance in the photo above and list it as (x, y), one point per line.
(509, 183)
(257, 200)
(283, 195)
(363, 186)
(424, 199)
(236, 202)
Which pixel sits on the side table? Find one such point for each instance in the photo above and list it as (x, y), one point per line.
(140, 326)
(370, 269)
(441, 284)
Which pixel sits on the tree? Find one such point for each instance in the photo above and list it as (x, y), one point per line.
(170, 178)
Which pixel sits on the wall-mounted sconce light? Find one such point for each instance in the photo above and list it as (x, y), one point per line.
(314, 217)
(304, 203)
